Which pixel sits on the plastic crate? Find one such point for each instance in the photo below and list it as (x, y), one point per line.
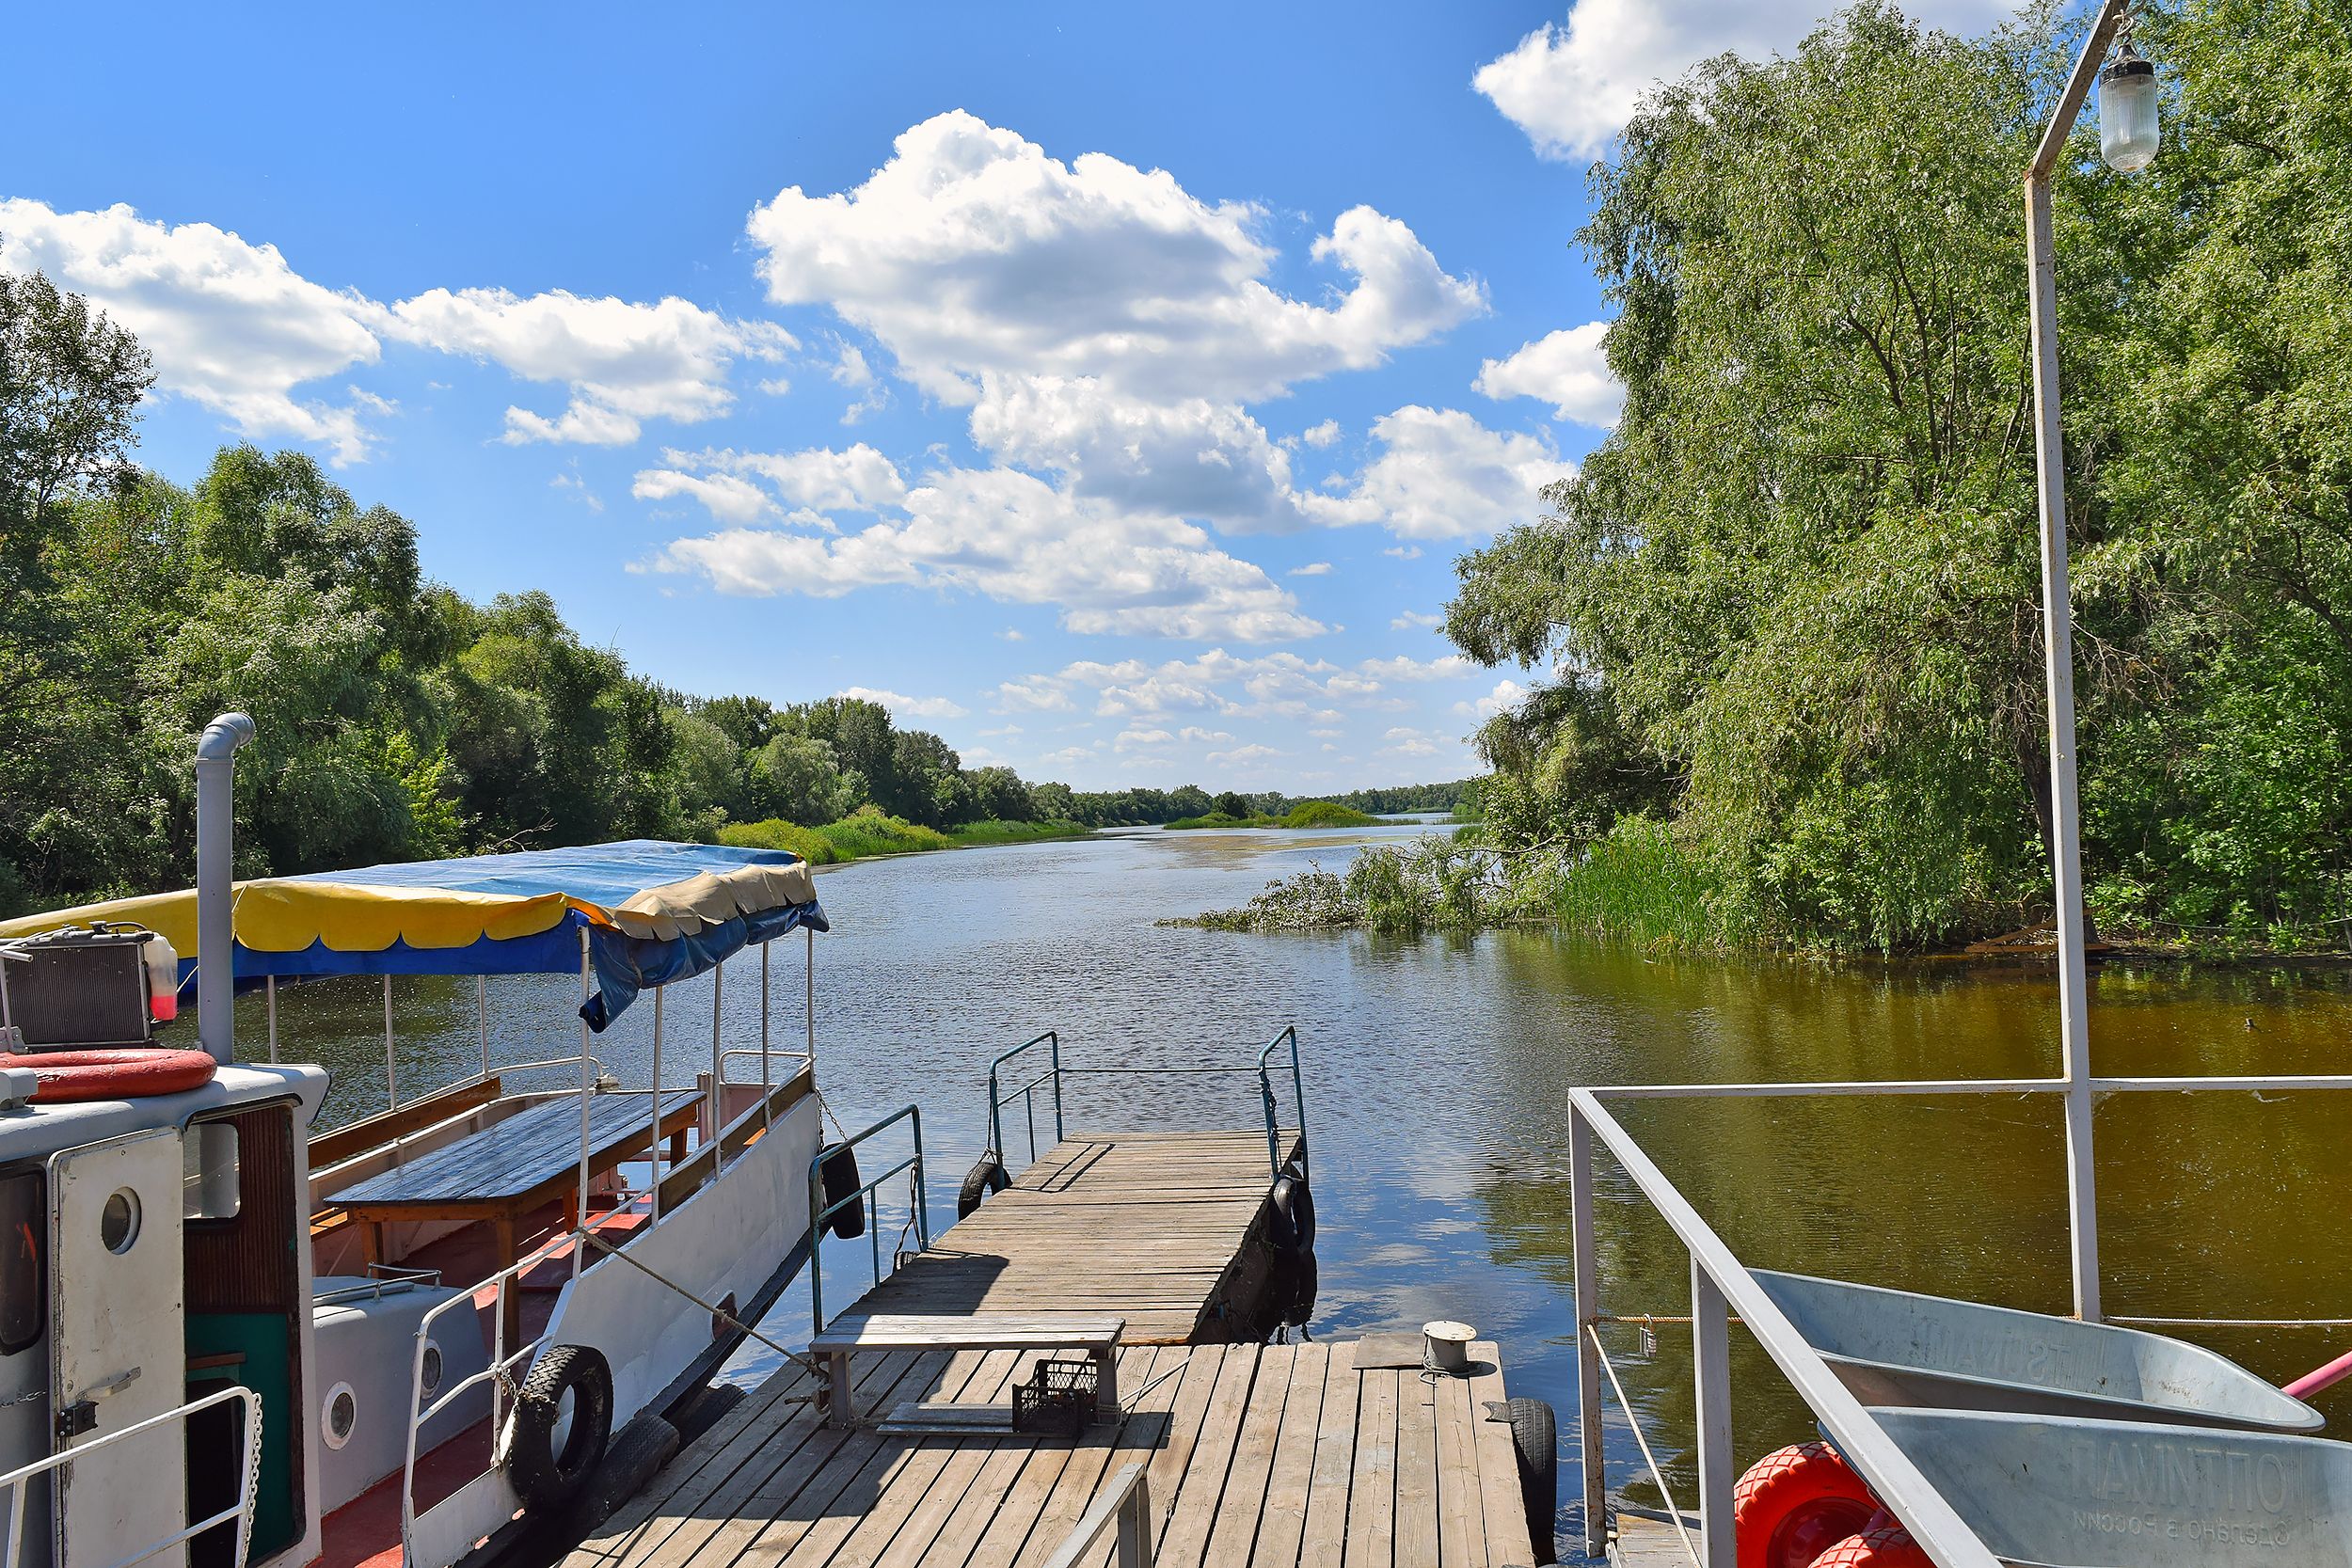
(1059, 1397)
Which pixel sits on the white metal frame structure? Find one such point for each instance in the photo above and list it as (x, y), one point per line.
(1720, 1287)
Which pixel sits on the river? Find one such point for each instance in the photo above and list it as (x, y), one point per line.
(1437, 1077)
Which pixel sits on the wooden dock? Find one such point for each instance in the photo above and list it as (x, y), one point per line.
(1282, 1455)
(1162, 1229)
(1645, 1543)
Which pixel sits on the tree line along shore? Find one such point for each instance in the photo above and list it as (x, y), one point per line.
(1788, 611)
(398, 720)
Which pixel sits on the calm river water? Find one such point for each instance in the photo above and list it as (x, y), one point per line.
(1436, 1079)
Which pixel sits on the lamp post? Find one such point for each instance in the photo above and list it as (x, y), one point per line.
(2128, 143)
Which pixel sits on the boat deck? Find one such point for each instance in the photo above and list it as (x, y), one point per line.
(1258, 1454)
(1154, 1226)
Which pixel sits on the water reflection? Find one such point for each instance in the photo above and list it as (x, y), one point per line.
(1437, 1074)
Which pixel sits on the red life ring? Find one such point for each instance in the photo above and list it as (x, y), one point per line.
(1794, 1504)
(120, 1074)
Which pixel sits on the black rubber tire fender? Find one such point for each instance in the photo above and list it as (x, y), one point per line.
(1292, 1225)
(986, 1176)
(841, 1181)
(545, 1479)
(1535, 1439)
(1304, 1281)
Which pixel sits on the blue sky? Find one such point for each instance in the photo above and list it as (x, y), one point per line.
(1113, 390)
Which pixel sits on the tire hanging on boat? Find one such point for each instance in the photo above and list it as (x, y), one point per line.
(841, 1184)
(986, 1176)
(543, 1476)
(1794, 1504)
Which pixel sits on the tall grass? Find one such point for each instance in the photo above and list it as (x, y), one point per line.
(870, 832)
(776, 834)
(995, 832)
(1637, 884)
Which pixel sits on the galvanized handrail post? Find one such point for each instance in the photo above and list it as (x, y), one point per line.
(1711, 1322)
(2058, 657)
(1590, 1456)
(1298, 1097)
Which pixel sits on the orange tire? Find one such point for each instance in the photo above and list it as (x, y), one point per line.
(1795, 1504)
(1887, 1546)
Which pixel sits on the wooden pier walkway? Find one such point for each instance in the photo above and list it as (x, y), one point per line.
(1154, 1226)
(1282, 1455)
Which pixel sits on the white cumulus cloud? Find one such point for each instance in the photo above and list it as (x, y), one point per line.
(231, 325)
(971, 251)
(1567, 369)
(903, 707)
(1442, 475)
(623, 362)
(1571, 87)
(1016, 539)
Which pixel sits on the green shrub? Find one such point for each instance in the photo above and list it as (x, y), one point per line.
(1328, 813)
(1221, 819)
(997, 832)
(869, 831)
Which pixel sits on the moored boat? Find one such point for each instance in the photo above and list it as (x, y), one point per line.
(226, 1337)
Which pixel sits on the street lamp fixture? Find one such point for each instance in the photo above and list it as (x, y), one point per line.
(2127, 111)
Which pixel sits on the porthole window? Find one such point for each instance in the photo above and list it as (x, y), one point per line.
(430, 1378)
(341, 1417)
(119, 1221)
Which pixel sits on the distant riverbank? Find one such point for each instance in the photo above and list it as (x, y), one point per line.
(868, 833)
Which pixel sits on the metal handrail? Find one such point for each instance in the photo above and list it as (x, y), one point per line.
(1128, 1502)
(1721, 1284)
(1298, 1097)
(500, 1373)
(242, 1511)
(1052, 1040)
(1587, 1116)
(820, 1211)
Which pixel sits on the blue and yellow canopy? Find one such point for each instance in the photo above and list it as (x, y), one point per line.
(651, 912)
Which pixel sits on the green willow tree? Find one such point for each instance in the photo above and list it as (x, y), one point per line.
(1795, 592)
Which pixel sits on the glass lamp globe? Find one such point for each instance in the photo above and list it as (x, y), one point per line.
(2127, 114)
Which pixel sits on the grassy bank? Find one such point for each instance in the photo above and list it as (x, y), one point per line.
(1309, 814)
(869, 832)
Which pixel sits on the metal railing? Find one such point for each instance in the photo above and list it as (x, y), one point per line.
(241, 1510)
(1128, 1504)
(867, 1199)
(500, 1374)
(1298, 1098)
(1051, 1040)
(1263, 1070)
(1722, 1287)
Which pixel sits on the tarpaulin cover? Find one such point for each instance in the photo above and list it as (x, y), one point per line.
(654, 912)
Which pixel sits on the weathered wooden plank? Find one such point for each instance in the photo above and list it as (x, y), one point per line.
(1192, 1510)
(1416, 1533)
(1235, 1531)
(1018, 1503)
(1284, 1524)
(1325, 1533)
(1504, 1514)
(1461, 1519)
(1372, 1489)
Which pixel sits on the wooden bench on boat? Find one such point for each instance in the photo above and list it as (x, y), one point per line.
(513, 1167)
(1097, 1334)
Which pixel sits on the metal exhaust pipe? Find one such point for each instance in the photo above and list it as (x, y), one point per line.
(216, 873)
